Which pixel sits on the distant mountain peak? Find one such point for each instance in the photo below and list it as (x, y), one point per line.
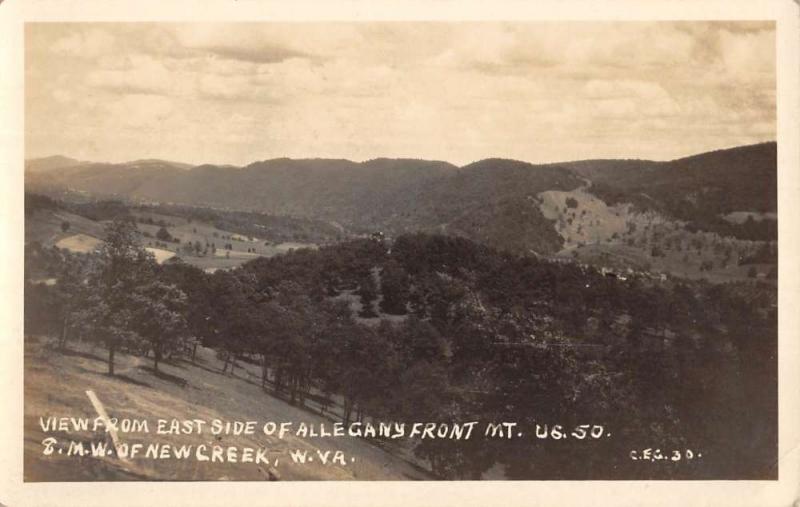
(150, 162)
(51, 163)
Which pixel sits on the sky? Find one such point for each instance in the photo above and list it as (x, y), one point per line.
(459, 92)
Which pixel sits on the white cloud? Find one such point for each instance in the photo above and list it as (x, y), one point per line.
(244, 42)
(748, 56)
(141, 74)
(622, 88)
(459, 92)
(89, 44)
(139, 111)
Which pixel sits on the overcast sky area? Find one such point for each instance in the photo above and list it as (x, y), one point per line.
(460, 92)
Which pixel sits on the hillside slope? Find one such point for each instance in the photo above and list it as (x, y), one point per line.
(488, 201)
(484, 201)
(184, 391)
(44, 164)
(691, 188)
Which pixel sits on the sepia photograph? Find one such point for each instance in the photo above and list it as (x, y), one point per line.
(517, 250)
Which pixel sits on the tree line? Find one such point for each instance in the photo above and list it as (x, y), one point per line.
(477, 335)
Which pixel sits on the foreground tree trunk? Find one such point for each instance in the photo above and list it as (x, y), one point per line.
(347, 409)
(156, 357)
(293, 389)
(62, 342)
(227, 359)
(302, 386)
(264, 371)
(111, 360)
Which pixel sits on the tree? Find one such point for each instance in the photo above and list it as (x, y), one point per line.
(163, 234)
(71, 293)
(395, 287)
(231, 314)
(368, 291)
(200, 301)
(298, 327)
(158, 317)
(65, 226)
(365, 367)
(417, 340)
(111, 308)
(327, 348)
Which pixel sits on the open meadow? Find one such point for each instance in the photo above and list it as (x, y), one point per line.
(183, 390)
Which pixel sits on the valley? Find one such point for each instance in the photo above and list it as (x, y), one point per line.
(309, 289)
(381, 248)
(196, 243)
(600, 213)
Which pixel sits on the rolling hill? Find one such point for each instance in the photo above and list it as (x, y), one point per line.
(39, 165)
(492, 200)
(691, 188)
(205, 239)
(395, 195)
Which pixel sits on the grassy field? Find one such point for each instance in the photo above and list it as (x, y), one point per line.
(740, 217)
(84, 235)
(79, 243)
(221, 249)
(594, 233)
(45, 227)
(621, 238)
(160, 254)
(56, 384)
(621, 257)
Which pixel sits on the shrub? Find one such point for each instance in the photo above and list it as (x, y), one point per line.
(163, 234)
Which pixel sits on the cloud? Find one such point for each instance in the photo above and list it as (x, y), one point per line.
(244, 43)
(496, 49)
(453, 91)
(90, 44)
(261, 54)
(139, 74)
(623, 88)
(140, 111)
(748, 56)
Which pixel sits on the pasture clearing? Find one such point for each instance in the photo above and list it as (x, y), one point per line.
(45, 227)
(213, 242)
(184, 391)
(160, 254)
(80, 243)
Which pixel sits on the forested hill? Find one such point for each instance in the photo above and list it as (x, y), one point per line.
(436, 328)
(492, 201)
(489, 335)
(692, 188)
(487, 201)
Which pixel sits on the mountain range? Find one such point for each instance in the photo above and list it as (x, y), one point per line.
(492, 200)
